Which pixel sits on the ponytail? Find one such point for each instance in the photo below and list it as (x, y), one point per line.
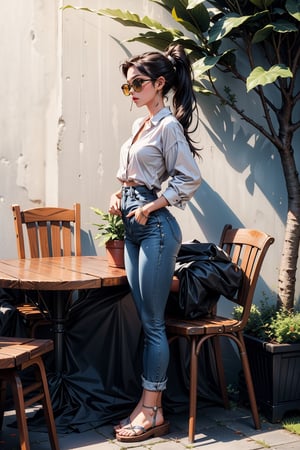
(184, 100)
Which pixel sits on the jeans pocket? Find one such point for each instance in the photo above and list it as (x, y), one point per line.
(174, 228)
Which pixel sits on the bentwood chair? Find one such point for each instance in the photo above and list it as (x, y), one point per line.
(247, 248)
(16, 356)
(50, 232)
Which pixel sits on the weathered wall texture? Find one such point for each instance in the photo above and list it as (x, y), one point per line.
(63, 119)
(29, 85)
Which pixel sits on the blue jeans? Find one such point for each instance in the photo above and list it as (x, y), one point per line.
(150, 257)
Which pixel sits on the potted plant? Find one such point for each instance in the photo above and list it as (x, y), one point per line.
(111, 234)
(272, 339)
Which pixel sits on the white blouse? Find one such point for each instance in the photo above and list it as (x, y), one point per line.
(161, 152)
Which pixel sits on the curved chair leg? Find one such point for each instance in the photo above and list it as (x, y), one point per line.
(3, 385)
(193, 389)
(18, 396)
(46, 401)
(249, 383)
(220, 370)
(47, 407)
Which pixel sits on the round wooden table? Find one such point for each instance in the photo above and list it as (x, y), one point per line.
(60, 275)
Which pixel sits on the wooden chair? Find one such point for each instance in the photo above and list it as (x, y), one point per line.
(16, 355)
(247, 248)
(50, 232)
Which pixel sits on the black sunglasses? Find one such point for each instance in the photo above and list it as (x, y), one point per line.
(136, 85)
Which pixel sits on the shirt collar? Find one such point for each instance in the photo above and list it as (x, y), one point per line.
(160, 115)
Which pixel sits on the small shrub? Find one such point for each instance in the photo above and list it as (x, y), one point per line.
(285, 327)
(266, 323)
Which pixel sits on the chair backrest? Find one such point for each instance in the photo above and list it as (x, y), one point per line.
(50, 231)
(247, 248)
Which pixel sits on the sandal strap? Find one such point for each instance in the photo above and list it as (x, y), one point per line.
(154, 409)
(135, 429)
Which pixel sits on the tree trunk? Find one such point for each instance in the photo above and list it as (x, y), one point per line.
(289, 258)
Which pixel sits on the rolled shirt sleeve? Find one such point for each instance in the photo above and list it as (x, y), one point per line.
(185, 177)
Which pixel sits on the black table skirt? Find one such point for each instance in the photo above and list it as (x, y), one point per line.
(101, 382)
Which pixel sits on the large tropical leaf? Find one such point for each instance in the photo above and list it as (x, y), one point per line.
(207, 63)
(293, 7)
(129, 19)
(226, 24)
(281, 26)
(157, 39)
(204, 64)
(284, 26)
(198, 14)
(191, 14)
(126, 18)
(262, 4)
(193, 3)
(260, 76)
(263, 34)
(197, 23)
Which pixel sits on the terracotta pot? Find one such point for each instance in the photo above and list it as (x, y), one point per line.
(115, 253)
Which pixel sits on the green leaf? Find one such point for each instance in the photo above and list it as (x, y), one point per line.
(260, 76)
(111, 228)
(186, 24)
(262, 4)
(202, 90)
(262, 34)
(196, 23)
(284, 26)
(226, 24)
(193, 3)
(129, 19)
(156, 39)
(126, 18)
(281, 26)
(199, 15)
(204, 64)
(293, 8)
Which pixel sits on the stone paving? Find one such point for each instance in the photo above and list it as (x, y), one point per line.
(217, 429)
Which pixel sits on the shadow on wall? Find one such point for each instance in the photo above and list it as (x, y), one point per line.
(243, 147)
(212, 212)
(87, 243)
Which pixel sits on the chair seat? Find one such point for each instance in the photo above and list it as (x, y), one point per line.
(208, 325)
(31, 312)
(15, 351)
(33, 318)
(16, 355)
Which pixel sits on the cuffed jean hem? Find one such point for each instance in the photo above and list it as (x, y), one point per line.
(154, 386)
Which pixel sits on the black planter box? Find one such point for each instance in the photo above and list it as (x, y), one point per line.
(275, 370)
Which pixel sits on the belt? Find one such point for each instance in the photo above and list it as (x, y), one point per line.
(131, 184)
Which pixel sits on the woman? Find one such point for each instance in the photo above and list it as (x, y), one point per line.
(160, 149)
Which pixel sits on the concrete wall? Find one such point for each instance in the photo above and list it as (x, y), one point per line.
(64, 118)
(30, 97)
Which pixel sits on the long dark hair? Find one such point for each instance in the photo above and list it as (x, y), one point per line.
(176, 69)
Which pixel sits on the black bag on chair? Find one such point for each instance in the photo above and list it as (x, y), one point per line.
(205, 272)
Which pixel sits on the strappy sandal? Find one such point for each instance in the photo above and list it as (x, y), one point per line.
(123, 423)
(141, 433)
